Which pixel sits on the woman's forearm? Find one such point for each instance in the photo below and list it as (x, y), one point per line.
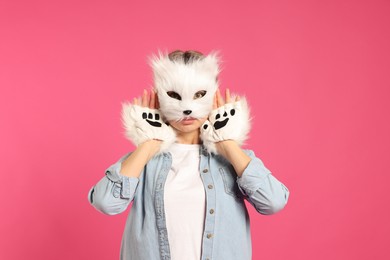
(133, 165)
(234, 154)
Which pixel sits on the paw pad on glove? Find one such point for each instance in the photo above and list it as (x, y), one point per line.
(228, 122)
(149, 117)
(220, 124)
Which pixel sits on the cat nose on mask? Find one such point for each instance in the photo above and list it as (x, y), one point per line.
(187, 112)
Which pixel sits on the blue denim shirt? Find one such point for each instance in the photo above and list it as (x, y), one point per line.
(226, 234)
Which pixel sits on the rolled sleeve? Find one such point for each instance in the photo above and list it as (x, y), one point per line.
(267, 194)
(114, 192)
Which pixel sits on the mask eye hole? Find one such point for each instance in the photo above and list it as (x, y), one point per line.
(174, 95)
(200, 94)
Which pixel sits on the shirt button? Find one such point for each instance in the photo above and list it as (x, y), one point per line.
(209, 236)
(205, 171)
(211, 211)
(210, 186)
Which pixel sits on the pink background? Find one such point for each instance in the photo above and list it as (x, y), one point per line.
(315, 72)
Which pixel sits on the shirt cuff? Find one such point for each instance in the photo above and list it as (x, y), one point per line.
(127, 185)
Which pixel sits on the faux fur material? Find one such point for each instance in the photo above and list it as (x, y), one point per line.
(142, 124)
(185, 80)
(228, 122)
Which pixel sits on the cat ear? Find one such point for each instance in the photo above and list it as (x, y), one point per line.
(211, 64)
(161, 66)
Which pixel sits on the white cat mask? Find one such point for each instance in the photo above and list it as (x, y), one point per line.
(185, 89)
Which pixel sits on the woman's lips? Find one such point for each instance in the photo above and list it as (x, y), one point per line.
(188, 120)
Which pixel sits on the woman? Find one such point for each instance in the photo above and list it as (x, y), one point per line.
(188, 177)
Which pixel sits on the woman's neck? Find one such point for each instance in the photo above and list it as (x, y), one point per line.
(188, 138)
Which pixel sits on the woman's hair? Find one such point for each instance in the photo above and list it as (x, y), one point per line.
(185, 56)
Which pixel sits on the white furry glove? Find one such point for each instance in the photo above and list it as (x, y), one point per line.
(228, 122)
(143, 123)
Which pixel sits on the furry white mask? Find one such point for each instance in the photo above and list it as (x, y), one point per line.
(185, 89)
(186, 86)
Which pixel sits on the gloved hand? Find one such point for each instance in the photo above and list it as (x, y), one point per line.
(228, 122)
(144, 123)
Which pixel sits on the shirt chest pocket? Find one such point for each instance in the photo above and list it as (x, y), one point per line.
(229, 182)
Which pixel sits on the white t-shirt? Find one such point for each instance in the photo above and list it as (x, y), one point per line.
(185, 202)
